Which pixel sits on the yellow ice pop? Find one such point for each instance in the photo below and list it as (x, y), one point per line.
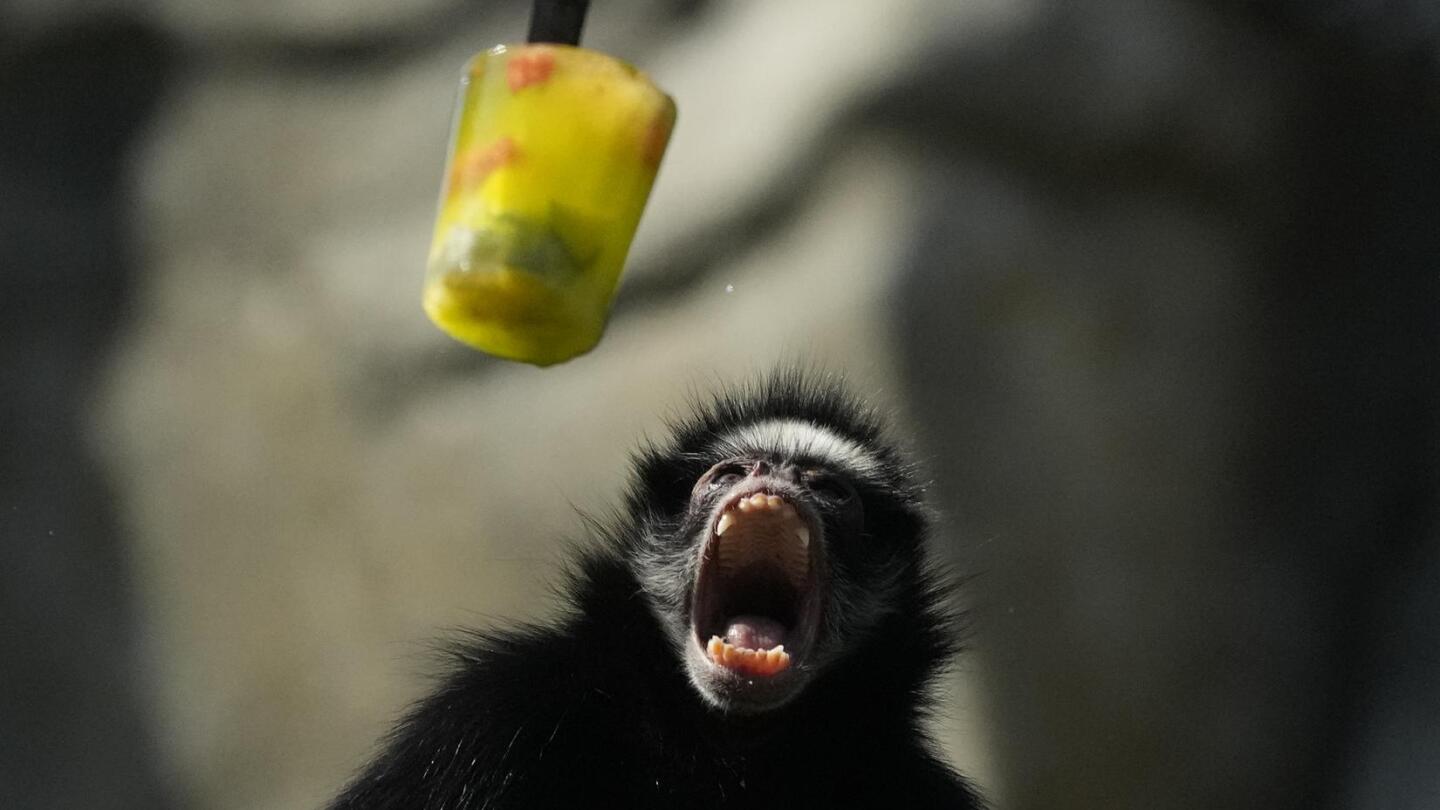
(552, 156)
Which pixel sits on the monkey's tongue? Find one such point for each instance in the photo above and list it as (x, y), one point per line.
(754, 632)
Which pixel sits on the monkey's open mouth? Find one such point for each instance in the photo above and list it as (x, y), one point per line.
(754, 595)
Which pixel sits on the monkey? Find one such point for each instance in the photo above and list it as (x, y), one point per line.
(757, 626)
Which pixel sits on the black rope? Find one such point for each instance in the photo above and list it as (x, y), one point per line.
(558, 21)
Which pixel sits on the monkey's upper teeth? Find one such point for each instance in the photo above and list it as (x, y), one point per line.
(762, 501)
(763, 530)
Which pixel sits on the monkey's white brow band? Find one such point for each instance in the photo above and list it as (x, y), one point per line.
(795, 437)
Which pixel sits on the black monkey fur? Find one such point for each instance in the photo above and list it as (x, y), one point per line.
(618, 705)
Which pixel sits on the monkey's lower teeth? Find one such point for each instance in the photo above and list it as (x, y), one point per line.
(747, 661)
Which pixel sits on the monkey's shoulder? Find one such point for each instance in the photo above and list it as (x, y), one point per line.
(514, 721)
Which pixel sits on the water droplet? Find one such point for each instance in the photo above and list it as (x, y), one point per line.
(729, 288)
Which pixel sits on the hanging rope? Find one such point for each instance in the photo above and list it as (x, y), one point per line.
(558, 21)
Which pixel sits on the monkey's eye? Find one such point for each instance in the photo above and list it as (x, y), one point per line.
(726, 475)
(829, 487)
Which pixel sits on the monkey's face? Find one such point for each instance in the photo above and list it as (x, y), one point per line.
(778, 563)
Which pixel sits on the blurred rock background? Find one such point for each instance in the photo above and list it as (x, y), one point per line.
(1155, 287)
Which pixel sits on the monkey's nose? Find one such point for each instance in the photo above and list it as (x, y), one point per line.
(786, 472)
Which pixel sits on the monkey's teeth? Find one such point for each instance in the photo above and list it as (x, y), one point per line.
(747, 661)
(769, 529)
(761, 501)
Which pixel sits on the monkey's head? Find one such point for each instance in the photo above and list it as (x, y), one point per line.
(778, 530)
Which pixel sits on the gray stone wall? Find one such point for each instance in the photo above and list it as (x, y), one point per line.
(1152, 285)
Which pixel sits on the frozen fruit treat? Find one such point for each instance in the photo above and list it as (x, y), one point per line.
(553, 153)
